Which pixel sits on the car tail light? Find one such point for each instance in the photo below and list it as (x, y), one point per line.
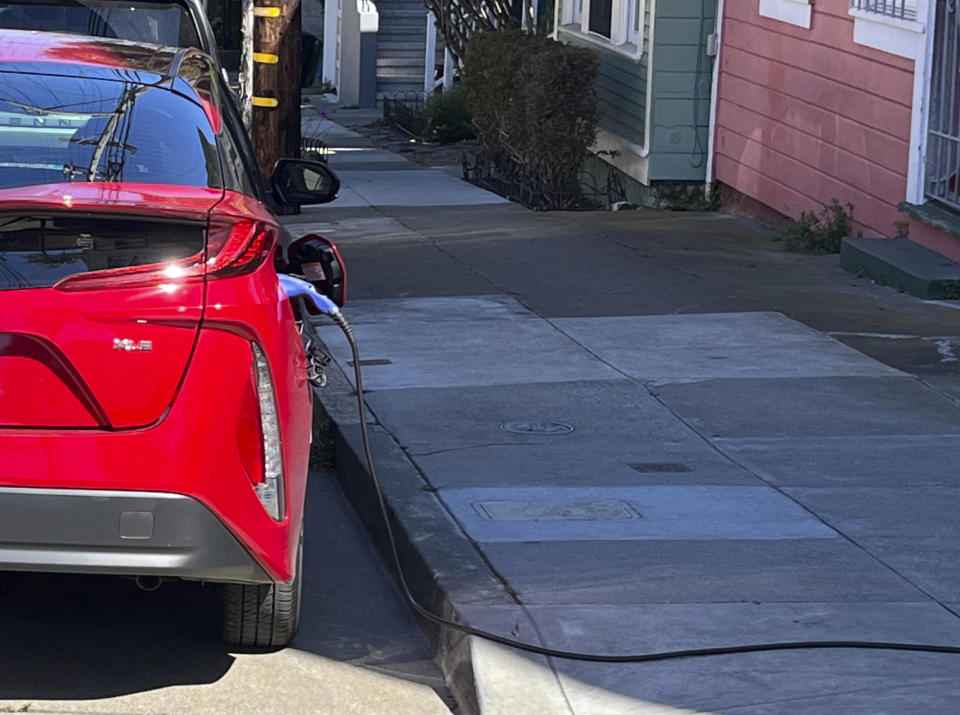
(249, 432)
(234, 246)
(237, 246)
(269, 487)
(164, 276)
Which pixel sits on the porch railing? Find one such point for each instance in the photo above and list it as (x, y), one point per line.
(943, 133)
(430, 79)
(902, 9)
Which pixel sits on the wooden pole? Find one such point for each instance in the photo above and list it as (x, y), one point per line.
(276, 81)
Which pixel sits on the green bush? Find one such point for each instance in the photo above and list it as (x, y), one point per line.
(533, 101)
(446, 117)
(819, 234)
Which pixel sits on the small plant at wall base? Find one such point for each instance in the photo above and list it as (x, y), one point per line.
(446, 117)
(819, 233)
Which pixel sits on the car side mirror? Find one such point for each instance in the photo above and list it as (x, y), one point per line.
(297, 182)
(317, 259)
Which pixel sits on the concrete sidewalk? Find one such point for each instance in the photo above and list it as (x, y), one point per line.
(633, 432)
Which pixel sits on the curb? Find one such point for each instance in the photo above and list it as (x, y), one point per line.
(439, 562)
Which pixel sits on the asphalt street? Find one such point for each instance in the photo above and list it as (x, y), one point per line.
(74, 644)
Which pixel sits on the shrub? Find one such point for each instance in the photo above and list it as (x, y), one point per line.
(533, 101)
(446, 117)
(819, 234)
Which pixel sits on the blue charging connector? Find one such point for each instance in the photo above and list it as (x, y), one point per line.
(296, 286)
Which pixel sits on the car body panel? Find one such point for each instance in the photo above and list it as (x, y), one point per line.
(170, 419)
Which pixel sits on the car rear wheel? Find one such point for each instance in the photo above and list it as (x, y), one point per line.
(261, 616)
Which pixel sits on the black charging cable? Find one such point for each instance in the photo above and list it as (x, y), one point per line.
(573, 655)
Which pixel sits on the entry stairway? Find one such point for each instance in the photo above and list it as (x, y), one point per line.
(401, 47)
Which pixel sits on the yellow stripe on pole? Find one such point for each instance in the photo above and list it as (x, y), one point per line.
(264, 102)
(266, 12)
(265, 58)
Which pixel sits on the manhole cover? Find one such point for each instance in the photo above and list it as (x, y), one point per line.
(661, 467)
(530, 427)
(557, 510)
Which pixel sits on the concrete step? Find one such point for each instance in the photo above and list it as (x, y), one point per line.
(383, 72)
(902, 264)
(394, 79)
(410, 34)
(400, 87)
(394, 54)
(384, 47)
(387, 65)
(389, 16)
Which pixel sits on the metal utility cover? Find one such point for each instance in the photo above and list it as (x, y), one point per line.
(557, 510)
(535, 427)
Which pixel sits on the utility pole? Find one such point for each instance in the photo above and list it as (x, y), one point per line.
(272, 69)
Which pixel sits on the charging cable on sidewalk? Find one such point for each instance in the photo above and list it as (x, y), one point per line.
(295, 286)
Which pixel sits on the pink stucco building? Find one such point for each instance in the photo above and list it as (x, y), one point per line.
(855, 100)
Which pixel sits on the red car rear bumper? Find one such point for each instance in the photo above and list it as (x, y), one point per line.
(75, 492)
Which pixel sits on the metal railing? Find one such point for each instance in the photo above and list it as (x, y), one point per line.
(404, 110)
(902, 9)
(943, 132)
(433, 77)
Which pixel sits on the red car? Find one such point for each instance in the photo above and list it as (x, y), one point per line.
(155, 413)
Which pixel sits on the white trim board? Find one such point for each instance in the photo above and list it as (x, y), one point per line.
(904, 38)
(794, 12)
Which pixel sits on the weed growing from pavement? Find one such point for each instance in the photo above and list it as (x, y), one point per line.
(823, 233)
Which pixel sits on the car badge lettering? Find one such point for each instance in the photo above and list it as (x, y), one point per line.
(128, 345)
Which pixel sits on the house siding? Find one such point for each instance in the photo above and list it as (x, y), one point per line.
(621, 88)
(681, 89)
(808, 116)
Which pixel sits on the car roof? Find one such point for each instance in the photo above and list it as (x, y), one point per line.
(185, 70)
(31, 46)
(194, 8)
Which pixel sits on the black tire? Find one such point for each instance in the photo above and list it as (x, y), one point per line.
(264, 616)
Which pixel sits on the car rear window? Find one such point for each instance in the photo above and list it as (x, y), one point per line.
(156, 22)
(56, 129)
(38, 250)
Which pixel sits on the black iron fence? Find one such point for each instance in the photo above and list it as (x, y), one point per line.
(314, 148)
(405, 111)
(518, 183)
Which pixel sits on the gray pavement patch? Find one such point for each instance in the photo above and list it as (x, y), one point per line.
(615, 415)
(566, 464)
(658, 627)
(889, 511)
(913, 529)
(813, 407)
(926, 561)
(891, 460)
(814, 682)
(399, 311)
(346, 231)
(456, 352)
(725, 345)
(689, 330)
(415, 187)
(666, 512)
(555, 572)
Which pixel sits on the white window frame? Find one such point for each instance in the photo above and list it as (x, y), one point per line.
(794, 12)
(904, 38)
(625, 38)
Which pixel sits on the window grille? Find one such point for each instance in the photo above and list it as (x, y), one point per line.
(902, 9)
(943, 133)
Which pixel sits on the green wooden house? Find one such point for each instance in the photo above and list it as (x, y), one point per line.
(654, 84)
